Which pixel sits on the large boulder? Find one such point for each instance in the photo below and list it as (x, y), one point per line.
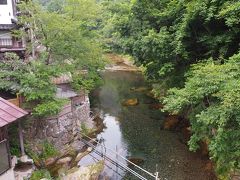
(155, 106)
(150, 94)
(131, 102)
(91, 172)
(135, 160)
(49, 161)
(80, 155)
(139, 89)
(64, 160)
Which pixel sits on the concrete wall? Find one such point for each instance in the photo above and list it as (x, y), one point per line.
(6, 13)
(8, 175)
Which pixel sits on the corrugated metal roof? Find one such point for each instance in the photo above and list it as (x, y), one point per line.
(65, 91)
(9, 112)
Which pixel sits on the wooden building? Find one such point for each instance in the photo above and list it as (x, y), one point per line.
(9, 113)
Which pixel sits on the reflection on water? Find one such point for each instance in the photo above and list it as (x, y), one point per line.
(136, 132)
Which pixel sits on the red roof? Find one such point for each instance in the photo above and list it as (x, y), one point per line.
(9, 112)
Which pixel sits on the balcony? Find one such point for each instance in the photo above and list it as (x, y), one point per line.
(11, 44)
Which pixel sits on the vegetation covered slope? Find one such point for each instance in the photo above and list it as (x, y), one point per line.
(190, 50)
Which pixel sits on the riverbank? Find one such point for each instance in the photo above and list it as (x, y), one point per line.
(120, 63)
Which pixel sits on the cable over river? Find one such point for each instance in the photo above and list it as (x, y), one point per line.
(135, 133)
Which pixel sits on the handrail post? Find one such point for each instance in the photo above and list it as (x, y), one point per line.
(116, 158)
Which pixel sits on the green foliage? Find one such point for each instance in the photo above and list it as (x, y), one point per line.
(170, 37)
(11, 71)
(14, 143)
(69, 36)
(86, 81)
(176, 33)
(211, 99)
(85, 129)
(37, 87)
(47, 151)
(66, 35)
(40, 174)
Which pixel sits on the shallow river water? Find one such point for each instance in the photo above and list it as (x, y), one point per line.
(135, 132)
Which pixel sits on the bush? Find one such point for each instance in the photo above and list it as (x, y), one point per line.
(39, 174)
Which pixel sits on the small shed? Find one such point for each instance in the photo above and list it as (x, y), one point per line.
(9, 113)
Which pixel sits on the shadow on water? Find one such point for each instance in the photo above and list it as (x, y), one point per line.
(136, 132)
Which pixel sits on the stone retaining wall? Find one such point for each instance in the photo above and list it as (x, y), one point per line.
(63, 129)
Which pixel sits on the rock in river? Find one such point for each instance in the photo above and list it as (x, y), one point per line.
(64, 160)
(80, 156)
(84, 173)
(139, 89)
(155, 106)
(135, 160)
(171, 122)
(130, 102)
(49, 161)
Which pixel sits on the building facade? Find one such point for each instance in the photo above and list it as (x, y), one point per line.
(8, 23)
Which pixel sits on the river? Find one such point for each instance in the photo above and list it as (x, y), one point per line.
(135, 131)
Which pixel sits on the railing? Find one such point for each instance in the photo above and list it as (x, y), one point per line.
(6, 42)
(10, 43)
(118, 160)
(5, 161)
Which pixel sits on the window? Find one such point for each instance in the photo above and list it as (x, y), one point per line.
(3, 2)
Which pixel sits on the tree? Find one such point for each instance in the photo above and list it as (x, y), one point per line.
(68, 42)
(211, 100)
(167, 36)
(11, 71)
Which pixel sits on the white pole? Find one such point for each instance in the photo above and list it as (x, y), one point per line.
(116, 158)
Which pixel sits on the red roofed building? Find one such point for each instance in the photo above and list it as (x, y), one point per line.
(9, 113)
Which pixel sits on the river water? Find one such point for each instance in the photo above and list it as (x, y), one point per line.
(135, 132)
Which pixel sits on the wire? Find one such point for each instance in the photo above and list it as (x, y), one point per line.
(151, 174)
(114, 162)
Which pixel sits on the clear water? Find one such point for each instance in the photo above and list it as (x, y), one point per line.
(136, 132)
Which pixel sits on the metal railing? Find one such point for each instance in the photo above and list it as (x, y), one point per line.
(11, 43)
(6, 42)
(116, 159)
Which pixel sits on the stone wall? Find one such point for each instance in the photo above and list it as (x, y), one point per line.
(81, 113)
(60, 130)
(63, 129)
